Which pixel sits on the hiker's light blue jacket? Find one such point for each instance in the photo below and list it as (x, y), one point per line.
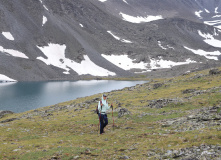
(105, 106)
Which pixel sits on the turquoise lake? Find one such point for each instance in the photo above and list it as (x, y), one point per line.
(24, 96)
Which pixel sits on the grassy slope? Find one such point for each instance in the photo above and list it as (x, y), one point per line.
(72, 133)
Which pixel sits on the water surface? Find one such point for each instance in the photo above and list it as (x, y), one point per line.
(24, 96)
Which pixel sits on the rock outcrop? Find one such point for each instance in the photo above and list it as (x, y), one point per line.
(3, 113)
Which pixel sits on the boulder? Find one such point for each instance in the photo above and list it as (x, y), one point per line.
(188, 91)
(160, 103)
(122, 112)
(157, 85)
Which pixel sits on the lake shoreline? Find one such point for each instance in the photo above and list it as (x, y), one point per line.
(136, 78)
(24, 96)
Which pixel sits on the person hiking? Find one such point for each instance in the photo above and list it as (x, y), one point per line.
(102, 108)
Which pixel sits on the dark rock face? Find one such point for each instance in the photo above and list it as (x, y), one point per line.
(214, 72)
(3, 113)
(9, 120)
(82, 27)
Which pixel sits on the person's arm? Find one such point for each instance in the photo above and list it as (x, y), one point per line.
(111, 106)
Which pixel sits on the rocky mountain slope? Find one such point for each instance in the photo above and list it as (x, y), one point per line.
(66, 39)
(174, 118)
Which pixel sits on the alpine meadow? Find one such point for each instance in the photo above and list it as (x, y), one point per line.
(172, 47)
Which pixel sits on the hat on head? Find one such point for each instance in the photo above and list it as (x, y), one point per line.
(104, 95)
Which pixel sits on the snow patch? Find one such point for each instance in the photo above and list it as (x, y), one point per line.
(124, 62)
(209, 39)
(204, 35)
(216, 16)
(160, 63)
(8, 35)
(13, 53)
(207, 11)
(140, 19)
(126, 41)
(44, 20)
(209, 55)
(118, 38)
(55, 54)
(125, 1)
(5, 78)
(45, 8)
(81, 25)
(44, 5)
(160, 45)
(216, 10)
(215, 23)
(197, 13)
(215, 32)
(212, 22)
(218, 26)
(168, 46)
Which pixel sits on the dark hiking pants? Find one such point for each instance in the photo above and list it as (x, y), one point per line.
(103, 122)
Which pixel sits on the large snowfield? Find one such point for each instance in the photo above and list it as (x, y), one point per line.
(124, 62)
(55, 54)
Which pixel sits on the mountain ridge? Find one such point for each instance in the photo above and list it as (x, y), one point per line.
(93, 30)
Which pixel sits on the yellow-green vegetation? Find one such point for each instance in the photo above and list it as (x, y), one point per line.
(69, 130)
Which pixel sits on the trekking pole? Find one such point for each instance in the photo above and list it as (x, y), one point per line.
(99, 122)
(113, 117)
(99, 117)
